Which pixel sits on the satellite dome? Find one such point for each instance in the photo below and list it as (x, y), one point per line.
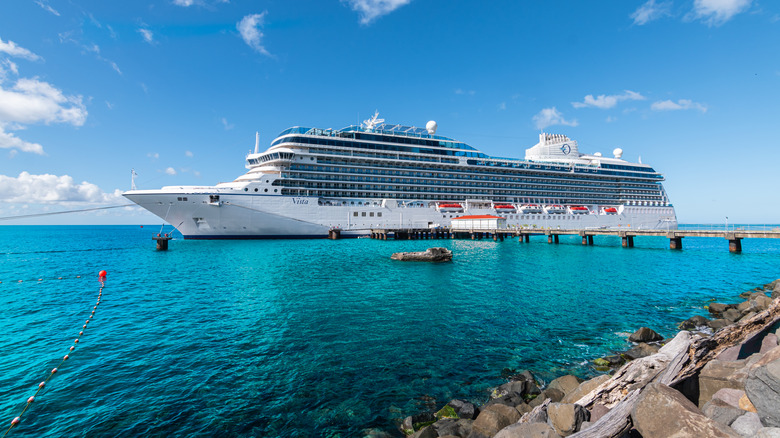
(431, 127)
(597, 154)
(618, 152)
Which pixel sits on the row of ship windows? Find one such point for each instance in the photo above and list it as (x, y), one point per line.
(333, 173)
(351, 166)
(515, 184)
(509, 165)
(497, 196)
(370, 214)
(636, 194)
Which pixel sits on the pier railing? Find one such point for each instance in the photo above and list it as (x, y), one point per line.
(734, 235)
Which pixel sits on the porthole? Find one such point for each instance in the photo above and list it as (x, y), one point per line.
(246, 189)
(265, 190)
(255, 188)
(275, 190)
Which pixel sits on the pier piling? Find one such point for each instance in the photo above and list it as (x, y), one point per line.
(162, 241)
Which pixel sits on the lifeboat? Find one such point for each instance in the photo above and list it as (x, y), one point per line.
(531, 208)
(610, 210)
(450, 208)
(579, 209)
(555, 209)
(504, 208)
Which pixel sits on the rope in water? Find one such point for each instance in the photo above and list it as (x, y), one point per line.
(17, 419)
(42, 279)
(25, 216)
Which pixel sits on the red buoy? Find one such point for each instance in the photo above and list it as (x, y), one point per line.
(41, 385)
(71, 348)
(31, 399)
(66, 357)
(53, 370)
(102, 274)
(15, 421)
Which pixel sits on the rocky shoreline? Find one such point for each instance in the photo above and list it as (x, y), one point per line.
(717, 377)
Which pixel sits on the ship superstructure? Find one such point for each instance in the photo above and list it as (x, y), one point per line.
(378, 175)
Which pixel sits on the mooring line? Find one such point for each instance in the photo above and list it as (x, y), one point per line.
(38, 280)
(17, 419)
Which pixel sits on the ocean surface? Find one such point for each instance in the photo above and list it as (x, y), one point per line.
(320, 338)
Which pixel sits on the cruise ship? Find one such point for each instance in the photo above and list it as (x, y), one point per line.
(381, 176)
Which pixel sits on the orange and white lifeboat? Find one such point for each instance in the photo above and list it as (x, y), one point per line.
(531, 208)
(450, 208)
(579, 209)
(504, 208)
(555, 209)
(609, 210)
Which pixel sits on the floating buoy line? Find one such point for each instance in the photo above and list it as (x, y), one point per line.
(102, 277)
(42, 279)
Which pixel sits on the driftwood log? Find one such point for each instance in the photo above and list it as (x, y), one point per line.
(680, 359)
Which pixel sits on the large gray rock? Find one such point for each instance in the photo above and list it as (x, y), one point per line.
(768, 432)
(662, 412)
(645, 334)
(642, 350)
(527, 430)
(718, 374)
(718, 308)
(566, 418)
(729, 395)
(693, 322)
(492, 419)
(717, 324)
(721, 411)
(429, 255)
(763, 387)
(460, 428)
(732, 315)
(584, 388)
(426, 432)
(464, 409)
(768, 343)
(565, 384)
(555, 395)
(747, 424)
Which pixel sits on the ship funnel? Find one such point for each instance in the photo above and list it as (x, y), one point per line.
(257, 142)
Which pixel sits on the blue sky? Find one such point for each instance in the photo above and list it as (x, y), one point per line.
(177, 88)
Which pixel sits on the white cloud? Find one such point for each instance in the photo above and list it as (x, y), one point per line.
(189, 154)
(551, 116)
(12, 49)
(6, 66)
(502, 106)
(44, 189)
(651, 11)
(370, 10)
(154, 155)
(46, 7)
(170, 171)
(147, 34)
(9, 141)
(605, 102)
(250, 27)
(611, 119)
(682, 104)
(228, 126)
(717, 12)
(185, 3)
(462, 91)
(32, 101)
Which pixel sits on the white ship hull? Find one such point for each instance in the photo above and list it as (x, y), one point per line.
(197, 215)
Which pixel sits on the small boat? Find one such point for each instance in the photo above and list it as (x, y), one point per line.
(555, 209)
(531, 208)
(504, 208)
(579, 209)
(610, 210)
(450, 208)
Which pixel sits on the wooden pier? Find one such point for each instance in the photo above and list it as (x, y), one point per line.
(734, 237)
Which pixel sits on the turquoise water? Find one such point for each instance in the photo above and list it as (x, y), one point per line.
(320, 338)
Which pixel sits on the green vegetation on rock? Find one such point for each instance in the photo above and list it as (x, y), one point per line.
(446, 412)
